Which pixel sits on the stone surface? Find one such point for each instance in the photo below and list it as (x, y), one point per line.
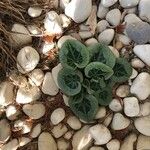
(46, 141)
(143, 142)
(139, 32)
(57, 116)
(115, 51)
(96, 148)
(36, 131)
(106, 36)
(85, 34)
(123, 90)
(144, 11)
(137, 63)
(114, 17)
(74, 122)
(102, 11)
(144, 109)
(91, 41)
(114, 144)
(119, 122)
(134, 74)
(79, 10)
(101, 26)
(125, 40)
(62, 144)
(23, 141)
(20, 35)
(82, 139)
(141, 86)
(128, 3)
(115, 105)
(100, 113)
(49, 86)
(63, 3)
(65, 20)
(34, 111)
(28, 94)
(6, 93)
(27, 59)
(142, 124)
(11, 145)
(100, 134)
(5, 131)
(108, 3)
(131, 106)
(34, 11)
(143, 52)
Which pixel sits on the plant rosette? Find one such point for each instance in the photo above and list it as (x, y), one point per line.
(88, 76)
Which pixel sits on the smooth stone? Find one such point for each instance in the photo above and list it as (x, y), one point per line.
(119, 122)
(131, 19)
(20, 35)
(5, 131)
(84, 27)
(144, 11)
(106, 36)
(108, 3)
(63, 3)
(12, 112)
(96, 148)
(142, 124)
(79, 10)
(101, 26)
(108, 120)
(23, 141)
(53, 24)
(11, 145)
(128, 142)
(131, 10)
(131, 106)
(59, 130)
(23, 125)
(124, 39)
(55, 72)
(82, 139)
(27, 59)
(6, 93)
(62, 144)
(144, 109)
(114, 17)
(46, 142)
(68, 135)
(91, 41)
(49, 86)
(34, 111)
(143, 142)
(100, 113)
(46, 47)
(123, 90)
(100, 134)
(128, 3)
(63, 39)
(74, 122)
(85, 34)
(139, 32)
(115, 105)
(33, 29)
(137, 63)
(36, 77)
(36, 131)
(114, 144)
(34, 11)
(143, 52)
(28, 94)
(134, 74)
(65, 99)
(115, 51)
(102, 11)
(65, 20)
(57, 116)
(141, 86)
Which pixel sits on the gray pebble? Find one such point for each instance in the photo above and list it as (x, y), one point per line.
(139, 32)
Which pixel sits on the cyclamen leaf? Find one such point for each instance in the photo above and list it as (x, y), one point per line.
(104, 96)
(102, 53)
(86, 108)
(122, 70)
(73, 54)
(70, 81)
(98, 70)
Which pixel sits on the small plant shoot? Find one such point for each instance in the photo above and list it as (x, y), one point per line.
(88, 76)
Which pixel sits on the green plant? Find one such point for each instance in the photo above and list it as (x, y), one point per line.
(88, 76)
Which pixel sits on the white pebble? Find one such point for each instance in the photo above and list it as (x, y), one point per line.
(144, 109)
(108, 3)
(96, 148)
(106, 36)
(108, 120)
(68, 135)
(115, 51)
(128, 3)
(114, 144)
(141, 86)
(124, 39)
(115, 105)
(57, 116)
(34, 12)
(137, 63)
(65, 20)
(102, 11)
(100, 134)
(119, 122)
(85, 34)
(27, 59)
(62, 144)
(11, 145)
(100, 113)
(131, 106)
(49, 86)
(33, 29)
(74, 122)
(134, 74)
(46, 47)
(63, 3)
(91, 41)
(66, 99)
(79, 10)
(114, 17)
(23, 141)
(36, 131)
(101, 26)
(123, 90)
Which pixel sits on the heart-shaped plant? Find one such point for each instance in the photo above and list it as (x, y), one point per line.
(88, 76)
